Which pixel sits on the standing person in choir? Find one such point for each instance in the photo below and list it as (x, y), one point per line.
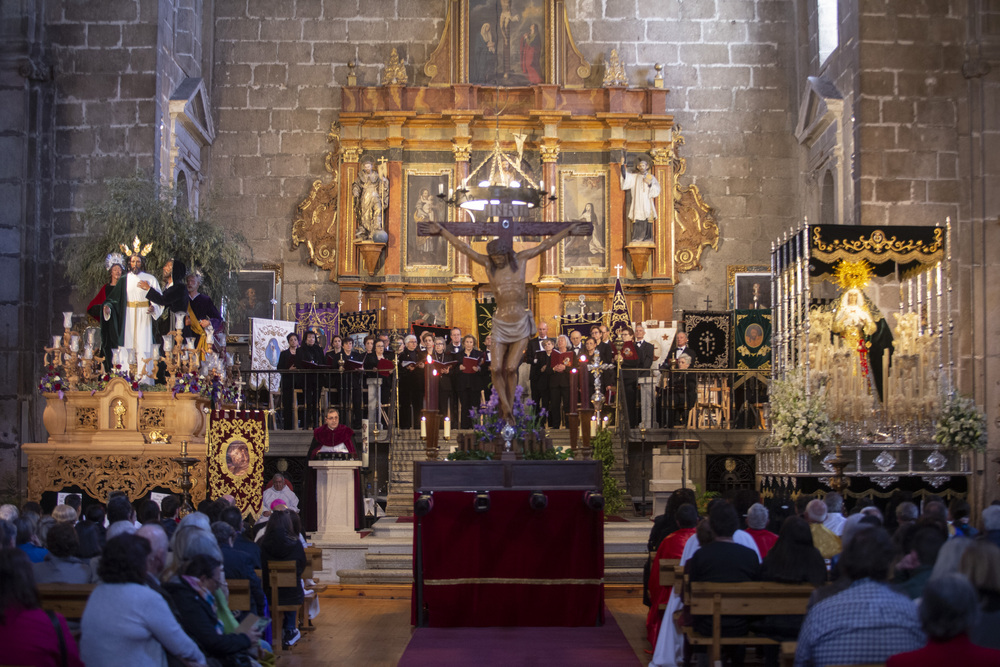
(545, 375)
(455, 342)
(632, 369)
(108, 308)
(311, 358)
(576, 342)
(559, 384)
(288, 360)
(139, 312)
(334, 359)
(645, 189)
(532, 355)
(447, 391)
(469, 380)
(412, 366)
(373, 363)
(351, 382)
(589, 350)
(680, 347)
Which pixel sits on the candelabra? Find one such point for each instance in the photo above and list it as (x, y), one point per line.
(185, 482)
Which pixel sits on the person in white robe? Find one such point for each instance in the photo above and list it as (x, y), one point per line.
(279, 490)
(139, 316)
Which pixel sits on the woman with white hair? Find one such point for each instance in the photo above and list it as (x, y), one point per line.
(757, 518)
(411, 383)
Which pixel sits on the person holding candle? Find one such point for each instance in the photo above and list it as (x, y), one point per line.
(108, 308)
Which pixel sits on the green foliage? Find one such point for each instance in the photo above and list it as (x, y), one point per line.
(137, 207)
(703, 499)
(550, 454)
(470, 455)
(614, 501)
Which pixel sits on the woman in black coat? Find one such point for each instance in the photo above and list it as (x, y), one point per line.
(470, 381)
(280, 542)
(411, 383)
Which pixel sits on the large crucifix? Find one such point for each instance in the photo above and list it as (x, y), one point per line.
(513, 323)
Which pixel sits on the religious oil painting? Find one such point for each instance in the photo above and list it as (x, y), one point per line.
(428, 255)
(238, 458)
(753, 291)
(744, 270)
(589, 306)
(259, 296)
(432, 312)
(506, 42)
(583, 198)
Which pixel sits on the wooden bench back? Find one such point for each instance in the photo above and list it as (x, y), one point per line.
(314, 562)
(66, 599)
(750, 598)
(239, 594)
(671, 571)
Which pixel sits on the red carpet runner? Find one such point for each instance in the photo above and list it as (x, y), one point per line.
(484, 647)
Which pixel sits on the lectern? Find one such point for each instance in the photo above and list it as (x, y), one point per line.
(335, 501)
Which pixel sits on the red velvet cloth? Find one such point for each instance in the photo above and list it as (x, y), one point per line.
(671, 548)
(512, 565)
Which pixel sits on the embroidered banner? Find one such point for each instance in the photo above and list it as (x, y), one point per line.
(709, 334)
(267, 339)
(581, 323)
(358, 323)
(484, 318)
(237, 441)
(752, 339)
(619, 310)
(322, 318)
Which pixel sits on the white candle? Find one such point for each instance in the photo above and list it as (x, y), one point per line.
(593, 427)
(88, 352)
(156, 352)
(440, 188)
(447, 427)
(190, 342)
(68, 319)
(423, 427)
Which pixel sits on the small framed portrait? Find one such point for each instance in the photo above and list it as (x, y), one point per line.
(748, 275)
(259, 297)
(432, 312)
(752, 291)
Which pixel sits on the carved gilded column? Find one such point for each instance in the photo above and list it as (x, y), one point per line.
(462, 149)
(348, 172)
(663, 266)
(549, 150)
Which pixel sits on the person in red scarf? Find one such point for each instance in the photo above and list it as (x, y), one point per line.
(671, 548)
(328, 438)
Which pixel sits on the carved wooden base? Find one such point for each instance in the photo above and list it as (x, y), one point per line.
(639, 254)
(370, 254)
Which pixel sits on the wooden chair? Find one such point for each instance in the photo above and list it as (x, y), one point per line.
(750, 598)
(314, 562)
(671, 574)
(239, 594)
(66, 599)
(281, 574)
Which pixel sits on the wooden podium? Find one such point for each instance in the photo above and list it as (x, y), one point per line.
(335, 501)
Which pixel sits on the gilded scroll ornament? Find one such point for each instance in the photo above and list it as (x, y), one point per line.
(86, 419)
(614, 71)
(695, 226)
(395, 71)
(152, 418)
(98, 474)
(878, 247)
(316, 223)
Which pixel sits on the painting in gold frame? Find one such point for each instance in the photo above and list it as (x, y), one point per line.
(425, 255)
(584, 197)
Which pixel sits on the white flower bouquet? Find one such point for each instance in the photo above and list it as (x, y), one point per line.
(798, 420)
(962, 425)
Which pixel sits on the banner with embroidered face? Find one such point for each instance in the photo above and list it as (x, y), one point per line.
(267, 340)
(752, 339)
(237, 441)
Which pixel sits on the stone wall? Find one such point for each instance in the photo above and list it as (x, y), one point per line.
(730, 67)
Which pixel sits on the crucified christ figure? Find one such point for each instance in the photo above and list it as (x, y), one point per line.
(513, 323)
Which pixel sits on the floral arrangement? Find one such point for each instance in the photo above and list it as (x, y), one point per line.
(220, 393)
(187, 383)
(799, 420)
(528, 418)
(123, 372)
(51, 382)
(961, 425)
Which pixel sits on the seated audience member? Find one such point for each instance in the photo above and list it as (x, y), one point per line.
(211, 508)
(868, 621)
(663, 525)
(239, 565)
(991, 524)
(981, 566)
(149, 512)
(125, 622)
(671, 548)
(9, 512)
(28, 540)
(280, 543)
(723, 560)
(8, 535)
(824, 540)
(188, 542)
(31, 507)
(197, 520)
(194, 595)
(792, 560)
(76, 502)
(61, 565)
(927, 542)
(948, 610)
(757, 518)
(91, 532)
(906, 517)
(159, 546)
(234, 518)
(64, 514)
(28, 634)
(950, 556)
(834, 513)
(169, 507)
(959, 512)
(119, 509)
(696, 541)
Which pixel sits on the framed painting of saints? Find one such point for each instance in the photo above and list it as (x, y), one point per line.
(506, 41)
(259, 297)
(426, 255)
(583, 197)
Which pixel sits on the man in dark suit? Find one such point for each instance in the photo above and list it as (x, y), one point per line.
(679, 347)
(532, 356)
(632, 369)
(454, 345)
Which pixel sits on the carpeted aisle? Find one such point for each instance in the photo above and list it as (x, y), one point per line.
(482, 647)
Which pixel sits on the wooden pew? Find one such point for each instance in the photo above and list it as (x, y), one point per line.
(239, 594)
(751, 598)
(671, 574)
(66, 599)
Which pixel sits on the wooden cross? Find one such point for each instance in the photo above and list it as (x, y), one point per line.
(618, 270)
(507, 227)
(708, 303)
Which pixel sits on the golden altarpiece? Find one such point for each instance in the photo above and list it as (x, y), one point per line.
(523, 86)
